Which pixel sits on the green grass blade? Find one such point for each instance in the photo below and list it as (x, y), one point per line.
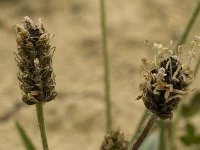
(26, 140)
(190, 24)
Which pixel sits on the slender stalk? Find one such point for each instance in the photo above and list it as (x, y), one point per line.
(135, 144)
(162, 145)
(106, 66)
(142, 120)
(40, 117)
(170, 135)
(190, 24)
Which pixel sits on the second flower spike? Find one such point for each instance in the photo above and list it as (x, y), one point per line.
(167, 78)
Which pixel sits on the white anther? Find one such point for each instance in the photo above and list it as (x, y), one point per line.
(36, 62)
(157, 46)
(161, 73)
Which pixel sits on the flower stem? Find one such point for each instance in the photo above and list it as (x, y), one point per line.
(190, 24)
(171, 136)
(142, 120)
(162, 145)
(135, 144)
(106, 66)
(40, 117)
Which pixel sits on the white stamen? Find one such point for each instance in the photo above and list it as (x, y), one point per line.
(157, 46)
(36, 62)
(161, 73)
(170, 53)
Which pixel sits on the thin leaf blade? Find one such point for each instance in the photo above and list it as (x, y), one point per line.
(25, 139)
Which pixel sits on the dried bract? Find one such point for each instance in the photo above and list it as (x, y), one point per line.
(114, 141)
(167, 78)
(34, 59)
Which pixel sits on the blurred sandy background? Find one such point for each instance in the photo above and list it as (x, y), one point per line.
(75, 120)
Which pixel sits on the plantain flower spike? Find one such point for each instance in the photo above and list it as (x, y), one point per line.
(114, 141)
(34, 59)
(167, 77)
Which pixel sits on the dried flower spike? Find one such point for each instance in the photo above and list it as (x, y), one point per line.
(114, 141)
(167, 78)
(34, 59)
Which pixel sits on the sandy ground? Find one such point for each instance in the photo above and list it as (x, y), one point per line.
(75, 120)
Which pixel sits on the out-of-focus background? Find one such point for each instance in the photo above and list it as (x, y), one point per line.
(76, 120)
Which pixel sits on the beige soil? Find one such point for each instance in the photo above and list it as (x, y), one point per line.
(75, 120)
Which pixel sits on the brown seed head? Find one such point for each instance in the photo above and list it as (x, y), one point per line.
(114, 141)
(34, 59)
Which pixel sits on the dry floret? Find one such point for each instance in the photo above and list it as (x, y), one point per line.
(167, 78)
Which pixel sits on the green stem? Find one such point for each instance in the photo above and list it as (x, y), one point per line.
(106, 66)
(40, 117)
(145, 114)
(170, 135)
(162, 145)
(190, 24)
(135, 143)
